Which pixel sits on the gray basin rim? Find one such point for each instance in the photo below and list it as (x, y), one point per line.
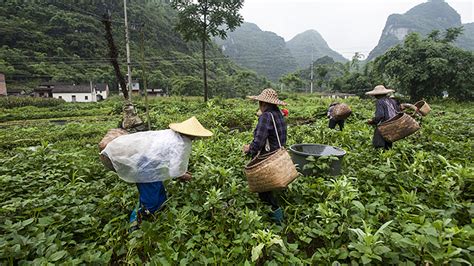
(331, 150)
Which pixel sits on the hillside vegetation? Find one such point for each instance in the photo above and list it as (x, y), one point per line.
(411, 205)
(64, 41)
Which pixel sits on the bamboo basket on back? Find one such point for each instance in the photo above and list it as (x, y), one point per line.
(398, 127)
(341, 111)
(274, 170)
(271, 171)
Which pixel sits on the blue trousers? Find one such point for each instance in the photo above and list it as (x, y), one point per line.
(152, 197)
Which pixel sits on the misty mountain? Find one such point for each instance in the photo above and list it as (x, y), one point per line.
(423, 18)
(302, 44)
(466, 41)
(262, 51)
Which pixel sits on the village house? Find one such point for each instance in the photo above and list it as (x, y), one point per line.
(17, 92)
(44, 90)
(153, 92)
(73, 92)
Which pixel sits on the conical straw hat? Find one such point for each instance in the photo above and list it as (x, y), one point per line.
(269, 96)
(379, 90)
(191, 127)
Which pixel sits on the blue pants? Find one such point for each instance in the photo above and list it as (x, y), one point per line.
(152, 196)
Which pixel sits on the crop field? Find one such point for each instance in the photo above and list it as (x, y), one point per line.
(411, 205)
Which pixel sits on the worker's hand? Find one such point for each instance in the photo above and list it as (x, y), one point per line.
(186, 177)
(246, 148)
(370, 121)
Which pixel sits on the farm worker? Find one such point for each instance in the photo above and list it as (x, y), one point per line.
(332, 121)
(131, 121)
(148, 158)
(385, 108)
(265, 139)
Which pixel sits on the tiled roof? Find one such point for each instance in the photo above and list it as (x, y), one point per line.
(79, 88)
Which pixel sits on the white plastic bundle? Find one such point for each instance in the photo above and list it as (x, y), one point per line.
(149, 156)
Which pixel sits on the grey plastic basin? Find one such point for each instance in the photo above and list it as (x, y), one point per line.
(299, 153)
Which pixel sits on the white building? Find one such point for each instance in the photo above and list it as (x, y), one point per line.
(75, 92)
(135, 88)
(137, 91)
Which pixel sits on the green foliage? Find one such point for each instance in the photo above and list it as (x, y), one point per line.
(422, 19)
(69, 45)
(201, 20)
(204, 19)
(12, 102)
(292, 82)
(425, 67)
(411, 205)
(419, 68)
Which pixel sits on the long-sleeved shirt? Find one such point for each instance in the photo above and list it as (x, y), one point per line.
(265, 130)
(330, 110)
(385, 108)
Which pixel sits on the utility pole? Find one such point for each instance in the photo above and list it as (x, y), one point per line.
(311, 69)
(142, 51)
(129, 71)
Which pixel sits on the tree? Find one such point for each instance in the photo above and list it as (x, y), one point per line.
(292, 81)
(425, 67)
(199, 20)
(355, 62)
(113, 54)
(321, 72)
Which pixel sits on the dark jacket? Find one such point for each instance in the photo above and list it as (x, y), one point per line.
(266, 130)
(385, 108)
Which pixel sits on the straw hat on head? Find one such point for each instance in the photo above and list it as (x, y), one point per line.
(379, 90)
(191, 127)
(269, 96)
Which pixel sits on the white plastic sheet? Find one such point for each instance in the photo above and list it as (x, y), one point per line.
(149, 156)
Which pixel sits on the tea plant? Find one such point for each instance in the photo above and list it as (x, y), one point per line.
(411, 205)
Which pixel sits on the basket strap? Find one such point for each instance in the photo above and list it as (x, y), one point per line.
(276, 131)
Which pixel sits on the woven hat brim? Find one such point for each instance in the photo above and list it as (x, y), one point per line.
(191, 127)
(379, 92)
(197, 132)
(257, 98)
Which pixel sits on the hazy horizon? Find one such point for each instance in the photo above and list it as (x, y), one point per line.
(334, 20)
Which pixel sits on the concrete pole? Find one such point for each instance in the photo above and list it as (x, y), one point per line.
(127, 45)
(311, 70)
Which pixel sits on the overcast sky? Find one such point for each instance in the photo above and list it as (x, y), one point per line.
(348, 26)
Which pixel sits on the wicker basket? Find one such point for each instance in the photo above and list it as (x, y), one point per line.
(111, 135)
(106, 162)
(399, 127)
(423, 107)
(341, 111)
(271, 171)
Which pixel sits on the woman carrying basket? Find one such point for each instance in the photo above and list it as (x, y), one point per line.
(267, 139)
(385, 108)
(332, 120)
(148, 158)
